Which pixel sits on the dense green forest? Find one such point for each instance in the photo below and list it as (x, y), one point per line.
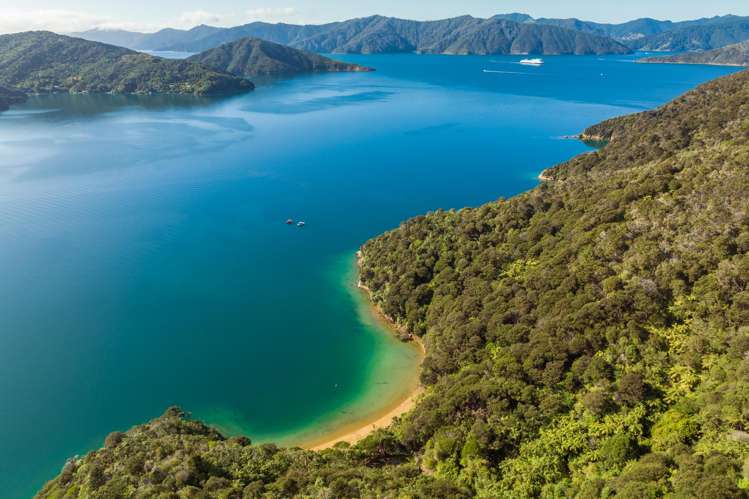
(250, 57)
(503, 34)
(43, 62)
(732, 55)
(589, 338)
(709, 35)
(377, 33)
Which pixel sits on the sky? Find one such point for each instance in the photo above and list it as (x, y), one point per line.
(149, 15)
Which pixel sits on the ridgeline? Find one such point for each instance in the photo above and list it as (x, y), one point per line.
(378, 34)
(500, 34)
(588, 338)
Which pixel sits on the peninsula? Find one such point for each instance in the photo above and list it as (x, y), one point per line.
(732, 55)
(251, 57)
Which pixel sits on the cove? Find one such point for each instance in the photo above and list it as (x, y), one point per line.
(145, 260)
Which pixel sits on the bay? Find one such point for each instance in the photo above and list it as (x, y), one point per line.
(145, 260)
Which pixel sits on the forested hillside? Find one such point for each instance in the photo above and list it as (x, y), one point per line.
(379, 34)
(645, 33)
(696, 37)
(589, 338)
(732, 55)
(250, 57)
(43, 62)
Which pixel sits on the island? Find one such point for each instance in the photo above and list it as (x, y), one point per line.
(586, 338)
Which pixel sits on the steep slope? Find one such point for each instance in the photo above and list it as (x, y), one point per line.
(44, 62)
(8, 97)
(377, 34)
(203, 37)
(251, 57)
(732, 55)
(589, 338)
(696, 37)
(463, 35)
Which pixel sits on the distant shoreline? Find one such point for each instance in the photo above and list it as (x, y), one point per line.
(358, 430)
(685, 63)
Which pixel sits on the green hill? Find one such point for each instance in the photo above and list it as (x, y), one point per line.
(8, 97)
(697, 36)
(43, 62)
(250, 57)
(378, 34)
(645, 34)
(588, 338)
(732, 55)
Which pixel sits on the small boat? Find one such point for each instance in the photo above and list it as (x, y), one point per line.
(532, 62)
(289, 222)
(301, 224)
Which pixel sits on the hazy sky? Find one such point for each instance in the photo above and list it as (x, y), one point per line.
(149, 15)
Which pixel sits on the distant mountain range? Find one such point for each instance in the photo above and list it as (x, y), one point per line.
(732, 55)
(501, 34)
(44, 62)
(463, 35)
(250, 57)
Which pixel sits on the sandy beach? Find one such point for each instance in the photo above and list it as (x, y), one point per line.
(355, 431)
(361, 429)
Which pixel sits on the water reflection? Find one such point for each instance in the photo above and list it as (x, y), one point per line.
(58, 107)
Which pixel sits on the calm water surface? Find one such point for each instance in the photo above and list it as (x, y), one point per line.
(144, 258)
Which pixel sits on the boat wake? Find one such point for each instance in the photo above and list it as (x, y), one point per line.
(505, 72)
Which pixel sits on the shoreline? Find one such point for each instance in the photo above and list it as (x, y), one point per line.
(683, 63)
(358, 430)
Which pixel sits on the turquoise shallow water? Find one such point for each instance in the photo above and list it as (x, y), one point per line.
(144, 258)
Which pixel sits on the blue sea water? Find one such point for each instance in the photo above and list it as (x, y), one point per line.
(144, 255)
